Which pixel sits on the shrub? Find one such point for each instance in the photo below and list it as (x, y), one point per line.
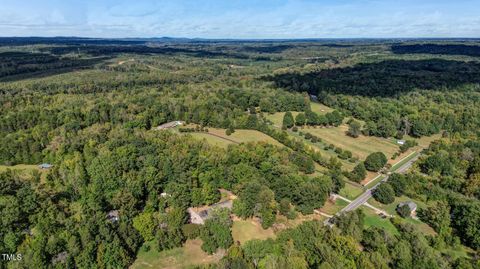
(375, 161)
(403, 211)
(191, 231)
(358, 173)
(384, 193)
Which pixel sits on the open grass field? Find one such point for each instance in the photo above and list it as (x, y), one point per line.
(346, 165)
(286, 223)
(213, 140)
(361, 147)
(25, 170)
(188, 255)
(277, 118)
(391, 209)
(217, 137)
(372, 219)
(351, 192)
(331, 208)
(244, 136)
(24, 167)
(245, 230)
(320, 108)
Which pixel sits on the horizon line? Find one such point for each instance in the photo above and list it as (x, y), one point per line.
(248, 39)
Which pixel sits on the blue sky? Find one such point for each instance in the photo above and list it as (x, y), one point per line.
(241, 19)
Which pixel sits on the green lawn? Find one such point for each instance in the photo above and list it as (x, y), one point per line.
(391, 209)
(351, 192)
(361, 146)
(19, 167)
(245, 230)
(320, 108)
(188, 255)
(332, 208)
(277, 118)
(346, 165)
(217, 137)
(375, 181)
(372, 219)
(25, 170)
(403, 161)
(213, 140)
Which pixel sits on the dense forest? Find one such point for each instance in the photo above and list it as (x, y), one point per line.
(90, 109)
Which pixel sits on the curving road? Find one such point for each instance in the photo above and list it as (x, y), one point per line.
(363, 198)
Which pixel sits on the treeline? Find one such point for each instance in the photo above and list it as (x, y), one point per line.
(30, 124)
(398, 97)
(311, 118)
(14, 63)
(347, 245)
(446, 49)
(419, 113)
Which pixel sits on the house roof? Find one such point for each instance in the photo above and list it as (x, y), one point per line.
(410, 204)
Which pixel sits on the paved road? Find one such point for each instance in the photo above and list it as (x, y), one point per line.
(363, 198)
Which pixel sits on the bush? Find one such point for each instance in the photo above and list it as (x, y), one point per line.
(359, 173)
(384, 193)
(407, 145)
(354, 128)
(403, 211)
(398, 183)
(295, 129)
(375, 161)
(191, 231)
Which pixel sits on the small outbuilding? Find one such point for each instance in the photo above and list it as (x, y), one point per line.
(198, 216)
(45, 166)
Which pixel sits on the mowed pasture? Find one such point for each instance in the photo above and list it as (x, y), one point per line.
(217, 136)
(249, 229)
(350, 191)
(392, 209)
(372, 219)
(277, 118)
(332, 207)
(320, 108)
(346, 165)
(24, 170)
(20, 167)
(360, 147)
(183, 257)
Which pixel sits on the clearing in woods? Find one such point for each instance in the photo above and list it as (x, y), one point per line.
(218, 137)
(391, 209)
(245, 230)
(277, 118)
(183, 257)
(25, 167)
(361, 146)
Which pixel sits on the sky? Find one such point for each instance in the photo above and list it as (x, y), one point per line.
(242, 19)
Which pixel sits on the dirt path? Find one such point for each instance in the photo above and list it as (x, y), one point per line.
(224, 138)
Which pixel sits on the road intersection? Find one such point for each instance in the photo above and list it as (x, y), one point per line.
(363, 198)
